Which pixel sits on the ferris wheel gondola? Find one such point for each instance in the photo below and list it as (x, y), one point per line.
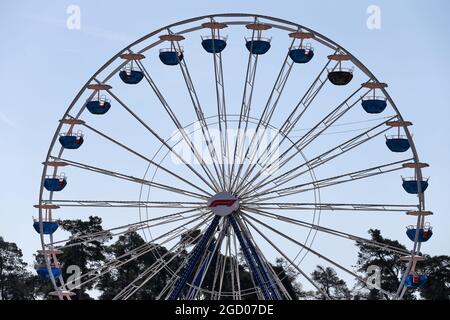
(226, 208)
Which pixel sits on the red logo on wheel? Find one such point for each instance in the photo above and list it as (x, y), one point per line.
(222, 202)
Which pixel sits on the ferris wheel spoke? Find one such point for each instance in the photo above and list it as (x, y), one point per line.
(177, 123)
(247, 95)
(268, 112)
(125, 204)
(229, 255)
(273, 279)
(127, 228)
(175, 279)
(115, 264)
(143, 278)
(130, 178)
(310, 136)
(323, 158)
(210, 255)
(216, 263)
(292, 263)
(306, 101)
(330, 231)
(175, 276)
(134, 253)
(199, 271)
(223, 265)
(221, 107)
(201, 118)
(294, 117)
(170, 283)
(247, 167)
(149, 273)
(332, 262)
(204, 167)
(324, 124)
(218, 278)
(233, 260)
(331, 181)
(263, 278)
(193, 259)
(366, 207)
(159, 166)
(236, 270)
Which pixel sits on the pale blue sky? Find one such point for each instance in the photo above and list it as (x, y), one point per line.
(43, 65)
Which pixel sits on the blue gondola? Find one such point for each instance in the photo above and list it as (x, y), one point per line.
(71, 141)
(397, 143)
(216, 45)
(374, 105)
(424, 233)
(98, 106)
(55, 183)
(42, 271)
(411, 185)
(415, 281)
(340, 77)
(258, 46)
(301, 54)
(131, 76)
(49, 227)
(170, 57)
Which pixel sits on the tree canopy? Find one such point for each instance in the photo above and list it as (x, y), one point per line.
(146, 271)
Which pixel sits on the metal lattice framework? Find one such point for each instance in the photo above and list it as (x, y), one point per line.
(247, 197)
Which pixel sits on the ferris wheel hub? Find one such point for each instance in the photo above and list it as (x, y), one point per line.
(223, 203)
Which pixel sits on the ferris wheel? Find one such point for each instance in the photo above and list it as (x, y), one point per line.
(232, 140)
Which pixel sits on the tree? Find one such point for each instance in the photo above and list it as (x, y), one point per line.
(86, 253)
(392, 268)
(288, 276)
(15, 280)
(113, 282)
(285, 273)
(224, 265)
(437, 269)
(329, 281)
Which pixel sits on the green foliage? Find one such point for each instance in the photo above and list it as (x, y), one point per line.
(438, 271)
(288, 276)
(228, 265)
(15, 279)
(389, 262)
(331, 284)
(87, 255)
(90, 252)
(113, 282)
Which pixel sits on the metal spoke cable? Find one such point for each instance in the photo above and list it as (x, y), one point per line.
(166, 144)
(130, 178)
(321, 159)
(106, 234)
(268, 111)
(303, 105)
(330, 231)
(154, 269)
(315, 253)
(294, 265)
(331, 181)
(245, 105)
(311, 135)
(135, 253)
(159, 166)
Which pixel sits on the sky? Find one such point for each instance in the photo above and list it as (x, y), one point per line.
(44, 64)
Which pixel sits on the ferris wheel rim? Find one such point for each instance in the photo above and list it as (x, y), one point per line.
(355, 61)
(317, 210)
